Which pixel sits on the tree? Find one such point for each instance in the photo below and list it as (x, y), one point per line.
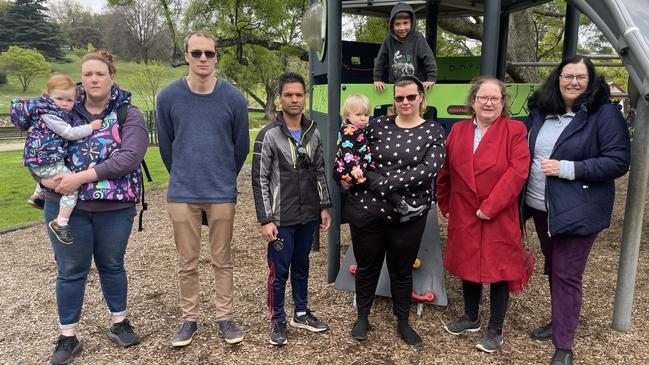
(25, 23)
(143, 22)
(146, 83)
(79, 25)
(25, 64)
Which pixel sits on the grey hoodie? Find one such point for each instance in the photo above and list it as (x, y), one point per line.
(410, 56)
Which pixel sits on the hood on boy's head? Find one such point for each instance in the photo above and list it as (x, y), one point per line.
(399, 8)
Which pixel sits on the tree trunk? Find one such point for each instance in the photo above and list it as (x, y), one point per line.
(269, 107)
(521, 47)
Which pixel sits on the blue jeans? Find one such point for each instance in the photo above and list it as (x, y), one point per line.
(293, 254)
(99, 235)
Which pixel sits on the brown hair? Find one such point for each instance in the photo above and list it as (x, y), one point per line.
(199, 33)
(476, 84)
(59, 81)
(404, 81)
(102, 56)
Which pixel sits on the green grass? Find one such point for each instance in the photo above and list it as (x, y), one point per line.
(125, 71)
(16, 185)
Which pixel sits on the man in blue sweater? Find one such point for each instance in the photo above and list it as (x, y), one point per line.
(202, 124)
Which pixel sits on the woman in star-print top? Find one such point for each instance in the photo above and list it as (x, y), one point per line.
(408, 152)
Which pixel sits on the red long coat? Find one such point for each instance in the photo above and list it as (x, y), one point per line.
(484, 251)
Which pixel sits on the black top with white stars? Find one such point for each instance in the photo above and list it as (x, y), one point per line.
(407, 160)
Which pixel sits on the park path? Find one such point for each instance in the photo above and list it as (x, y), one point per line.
(4, 147)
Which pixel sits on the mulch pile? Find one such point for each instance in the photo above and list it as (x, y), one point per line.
(29, 320)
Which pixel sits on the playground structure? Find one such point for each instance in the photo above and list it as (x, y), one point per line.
(339, 68)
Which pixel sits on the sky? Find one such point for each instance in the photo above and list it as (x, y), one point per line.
(94, 5)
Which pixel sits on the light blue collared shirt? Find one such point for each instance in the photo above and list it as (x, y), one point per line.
(550, 131)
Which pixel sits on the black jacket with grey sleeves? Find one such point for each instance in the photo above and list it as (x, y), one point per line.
(288, 176)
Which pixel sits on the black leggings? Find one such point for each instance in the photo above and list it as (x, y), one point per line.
(498, 302)
(373, 240)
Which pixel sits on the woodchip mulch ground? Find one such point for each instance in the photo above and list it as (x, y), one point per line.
(29, 322)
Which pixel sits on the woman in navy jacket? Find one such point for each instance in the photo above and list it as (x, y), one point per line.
(579, 144)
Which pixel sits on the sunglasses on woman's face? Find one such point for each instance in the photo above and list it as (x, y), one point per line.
(411, 98)
(198, 54)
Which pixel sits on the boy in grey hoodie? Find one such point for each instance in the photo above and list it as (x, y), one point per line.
(405, 51)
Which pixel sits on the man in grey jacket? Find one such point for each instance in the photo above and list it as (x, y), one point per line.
(203, 134)
(291, 198)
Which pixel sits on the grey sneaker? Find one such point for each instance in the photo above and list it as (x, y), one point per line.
(230, 331)
(67, 347)
(122, 334)
(62, 233)
(278, 334)
(461, 325)
(185, 334)
(309, 322)
(491, 341)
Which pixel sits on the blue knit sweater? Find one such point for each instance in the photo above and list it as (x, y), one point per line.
(204, 141)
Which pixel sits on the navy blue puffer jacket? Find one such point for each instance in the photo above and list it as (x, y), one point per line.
(598, 143)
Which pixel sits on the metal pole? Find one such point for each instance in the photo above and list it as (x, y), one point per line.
(633, 217)
(502, 47)
(489, 59)
(432, 12)
(334, 59)
(571, 33)
(315, 245)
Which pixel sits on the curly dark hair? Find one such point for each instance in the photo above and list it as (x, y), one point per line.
(548, 97)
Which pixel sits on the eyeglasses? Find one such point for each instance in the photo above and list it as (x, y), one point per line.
(198, 54)
(485, 99)
(568, 78)
(411, 98)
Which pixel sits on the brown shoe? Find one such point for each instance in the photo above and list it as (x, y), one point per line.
(62, 233)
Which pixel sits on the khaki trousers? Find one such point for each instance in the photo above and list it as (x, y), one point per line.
(186, 221)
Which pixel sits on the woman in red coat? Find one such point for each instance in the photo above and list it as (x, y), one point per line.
(486, 166)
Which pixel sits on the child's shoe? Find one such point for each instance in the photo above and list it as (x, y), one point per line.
(407, 211)
(36, 201)
(62, 233)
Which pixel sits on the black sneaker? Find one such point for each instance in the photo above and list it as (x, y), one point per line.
(562, 357)
(359, 332)
(408, 334)
(62, 233)
(542, 333)
(309, 322)
(461, 325)
(67, 347)
(407, 211)
(278, 334)
(185, 334)
(122, 334)
(36, 201)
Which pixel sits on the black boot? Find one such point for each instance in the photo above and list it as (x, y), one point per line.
(408, 334)
(561, 357)
(359, 331)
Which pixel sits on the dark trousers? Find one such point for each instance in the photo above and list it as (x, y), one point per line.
(565, 261)
(498, 302)
(291, 251)
(374, 238)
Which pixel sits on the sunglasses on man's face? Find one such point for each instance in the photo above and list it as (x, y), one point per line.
(411, 98)
(198, 54)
